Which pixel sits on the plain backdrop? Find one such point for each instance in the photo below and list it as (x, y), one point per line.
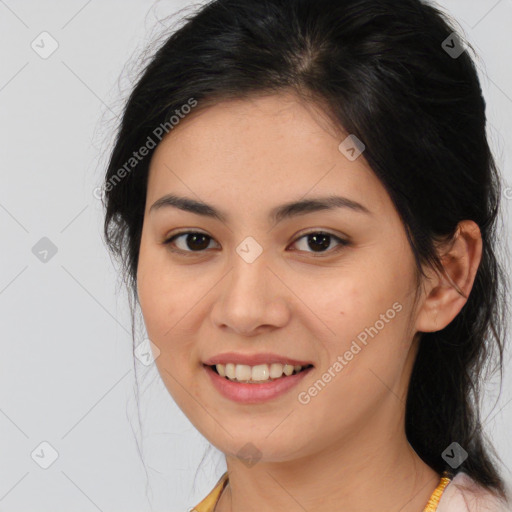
(66, 366)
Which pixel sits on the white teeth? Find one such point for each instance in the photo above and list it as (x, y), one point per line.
(242, 372)
(230, 370)
(258, 373)
(288, 369)
(276, 370)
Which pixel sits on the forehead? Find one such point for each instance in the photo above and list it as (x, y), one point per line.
(260, 151)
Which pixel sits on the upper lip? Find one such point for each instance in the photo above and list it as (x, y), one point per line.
(254, 359)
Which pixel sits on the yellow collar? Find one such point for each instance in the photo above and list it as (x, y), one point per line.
(208, 504)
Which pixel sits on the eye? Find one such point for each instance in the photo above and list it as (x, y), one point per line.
(194, 241)
(197, 242)
(320, 240)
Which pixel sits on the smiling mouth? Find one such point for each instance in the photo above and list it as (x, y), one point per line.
(261, 376)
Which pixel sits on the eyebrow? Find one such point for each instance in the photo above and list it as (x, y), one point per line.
(277, 214)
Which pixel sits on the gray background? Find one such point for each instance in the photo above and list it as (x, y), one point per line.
(66, 368)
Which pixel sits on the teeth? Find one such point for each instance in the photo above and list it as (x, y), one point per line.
(258, 373)
(288, 369)
(276, 370)
(242, 372)
(230, 371)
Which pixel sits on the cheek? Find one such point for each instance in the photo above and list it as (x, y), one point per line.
(164, 304)
(365, 356)
(155, 303)
(366, 307)
(161, 290)
(163, 300)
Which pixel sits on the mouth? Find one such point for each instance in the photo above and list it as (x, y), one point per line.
(259, 374)
(240, 386)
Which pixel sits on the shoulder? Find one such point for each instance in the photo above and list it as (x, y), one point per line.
(463, 494)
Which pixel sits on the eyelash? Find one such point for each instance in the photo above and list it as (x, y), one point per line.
(342, 243)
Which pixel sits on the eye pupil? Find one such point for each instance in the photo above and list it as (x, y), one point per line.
(193, 237)
(315, 237)
(195, 241)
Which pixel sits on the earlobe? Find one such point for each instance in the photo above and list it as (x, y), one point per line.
(446, 294)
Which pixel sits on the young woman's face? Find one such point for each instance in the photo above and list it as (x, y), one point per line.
(254, 284)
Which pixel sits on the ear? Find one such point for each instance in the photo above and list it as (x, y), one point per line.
(460, 261)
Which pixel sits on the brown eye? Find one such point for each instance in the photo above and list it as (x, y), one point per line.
(320, 241)
(190, 241)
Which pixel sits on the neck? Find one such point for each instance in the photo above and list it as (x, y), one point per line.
(366, 472)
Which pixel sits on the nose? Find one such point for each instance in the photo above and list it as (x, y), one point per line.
(251, 299)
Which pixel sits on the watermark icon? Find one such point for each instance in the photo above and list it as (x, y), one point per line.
(507, 192)
(454, 455)
(44, 45)
(304, 397)
(351, 147)
(249, 454)
(146, 352)
(151, 142)
(249, 249)
(453, 45)
(44, 455)
(44, 250)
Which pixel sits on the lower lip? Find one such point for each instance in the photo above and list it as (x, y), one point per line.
(254, 393)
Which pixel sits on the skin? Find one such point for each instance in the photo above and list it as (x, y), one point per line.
(346, 449)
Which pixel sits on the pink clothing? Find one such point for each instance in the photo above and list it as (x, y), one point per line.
(463, 494)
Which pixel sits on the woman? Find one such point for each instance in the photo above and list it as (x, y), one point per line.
(305, 204)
